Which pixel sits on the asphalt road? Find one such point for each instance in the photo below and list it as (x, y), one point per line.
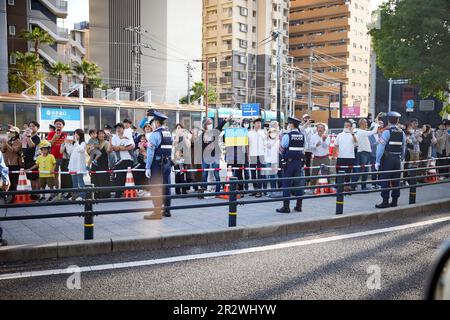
(313, 266)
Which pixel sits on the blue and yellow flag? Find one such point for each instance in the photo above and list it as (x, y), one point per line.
(236, 137)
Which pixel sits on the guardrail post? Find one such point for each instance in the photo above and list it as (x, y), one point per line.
(413, 188)
(88, 218)
(232, 215)
(340, 179)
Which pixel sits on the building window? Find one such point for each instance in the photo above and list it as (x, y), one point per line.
(243, 44)
(12, 30)
(12, 59)
(11, 2)
(243, 27)
(243, 11)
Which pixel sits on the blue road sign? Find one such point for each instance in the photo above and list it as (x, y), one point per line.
(251, 110)
(410, 106)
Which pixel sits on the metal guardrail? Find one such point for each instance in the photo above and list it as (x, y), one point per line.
(233, 202)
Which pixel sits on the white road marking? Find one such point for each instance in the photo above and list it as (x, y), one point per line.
(218, 254)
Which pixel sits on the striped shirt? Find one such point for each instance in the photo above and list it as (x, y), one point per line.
(3, 170)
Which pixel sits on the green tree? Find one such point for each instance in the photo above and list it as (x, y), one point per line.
(414, 43)
(27, 71)
(38, 37)
(59, 70)
(90, 73)
(198, 90)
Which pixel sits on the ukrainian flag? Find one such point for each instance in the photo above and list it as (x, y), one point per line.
(236, 137)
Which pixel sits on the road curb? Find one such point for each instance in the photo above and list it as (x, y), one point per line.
(23, 253)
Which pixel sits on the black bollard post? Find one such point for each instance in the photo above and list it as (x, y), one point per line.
(232, 215)
(340, 193)
(412, 185)
(88, 218)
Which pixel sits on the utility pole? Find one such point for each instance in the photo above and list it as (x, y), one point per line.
(341, 99)
(390, 94)
(311, 58)
(277, 36)
(135, 54)
(206, 61)
(189, 69)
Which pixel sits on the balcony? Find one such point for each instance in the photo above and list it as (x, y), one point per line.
(209, 3)
(58, 7)
(317, 26)
(226, 64)
(211, 34)
(319, 13)
(49, 53)
(59, 34)
(225, 80)
(328, 50)
(327, 37)
(212, 65)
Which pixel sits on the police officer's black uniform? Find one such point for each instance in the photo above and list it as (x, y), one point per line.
(393, 141)
(161, 168)
(293, 160)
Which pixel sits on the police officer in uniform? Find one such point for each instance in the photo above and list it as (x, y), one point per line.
(390, 152)
(293, 160)
(159, 164)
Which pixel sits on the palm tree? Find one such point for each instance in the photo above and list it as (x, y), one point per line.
(198, 90)
(90, 72)
(28, 70)
(59, 70)
(39, 37)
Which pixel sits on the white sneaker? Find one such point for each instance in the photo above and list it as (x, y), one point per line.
(79, 199)
(141, 193)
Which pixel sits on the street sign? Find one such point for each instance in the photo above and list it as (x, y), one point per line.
(71, 116)
(426, 105)
(251, 110)
(410, 106)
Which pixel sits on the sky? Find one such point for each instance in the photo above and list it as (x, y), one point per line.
(79, 11)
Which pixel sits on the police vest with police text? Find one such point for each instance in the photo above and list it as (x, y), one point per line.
(165, 148)
(395, 143)
(296, 147)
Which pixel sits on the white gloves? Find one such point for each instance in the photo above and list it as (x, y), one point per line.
(377, 166)
(148, 173)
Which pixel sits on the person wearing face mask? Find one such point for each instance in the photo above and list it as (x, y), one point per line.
(236, 144)
(374, 140)
(256, 140)
(12, 153)
(443, 148)
(271, 159)
(211, 150)
(345, 146)
(293, 146)
(320, 143)
(390, 152)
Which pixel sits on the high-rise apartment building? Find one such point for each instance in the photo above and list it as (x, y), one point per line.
(3, 48)
(145, 45)
(331, 37)
(25, 15)
(238, 43)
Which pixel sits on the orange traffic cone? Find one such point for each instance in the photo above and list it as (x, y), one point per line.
(325, 189)
(23, 185)
(226, 188)
(433, 173)
(129, 182)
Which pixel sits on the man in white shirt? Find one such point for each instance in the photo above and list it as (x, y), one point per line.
(123, 147)
(345, 143)
(319, 145)
(256, 151)
(307, 131)
(364, 150)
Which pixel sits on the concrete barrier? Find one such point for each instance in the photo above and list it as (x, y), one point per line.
(24, 253)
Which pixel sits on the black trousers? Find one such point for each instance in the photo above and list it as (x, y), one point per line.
(256, 162)
(160, 170)
(443, 162)
(120, 177)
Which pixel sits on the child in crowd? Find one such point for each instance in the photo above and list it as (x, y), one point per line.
(45, 163)
(93, 148)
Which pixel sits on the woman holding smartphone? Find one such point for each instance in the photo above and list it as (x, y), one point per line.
(77, 163)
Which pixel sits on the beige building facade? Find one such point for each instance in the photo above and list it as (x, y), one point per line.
(238, 43)
(331, 37)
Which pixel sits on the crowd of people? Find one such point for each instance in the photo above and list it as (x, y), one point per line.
(64, 160)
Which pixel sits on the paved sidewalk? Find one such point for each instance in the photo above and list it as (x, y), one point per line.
(183, 221)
